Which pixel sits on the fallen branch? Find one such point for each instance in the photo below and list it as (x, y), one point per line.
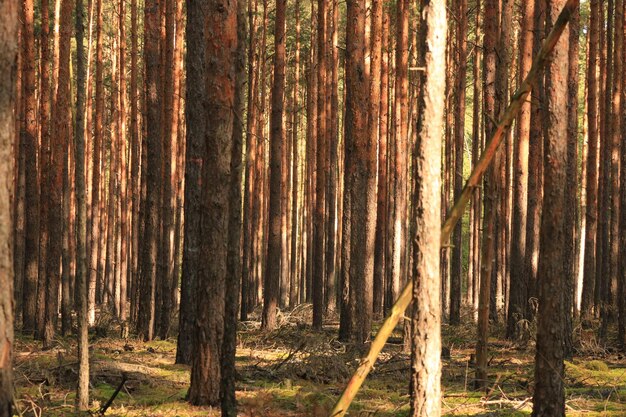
(106, 406)
(398, 309)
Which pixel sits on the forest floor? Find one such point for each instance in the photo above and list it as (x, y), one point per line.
(294, 371)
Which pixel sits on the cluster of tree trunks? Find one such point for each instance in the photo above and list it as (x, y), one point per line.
(200, 180)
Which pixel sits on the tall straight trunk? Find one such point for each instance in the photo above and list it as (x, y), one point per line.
(135, 144)
(604, 173)
(259, 220)
(518, 293)
(166, 264)
(459, 142)
(8, 57)
(502, 97)
(98, 167)
(113, 187)
(247, 280)
(570, 222)
(66, 303)
(272, 276)
(320, 184)
(401, 106)
(362, 183)
(374, 128)
(613, 141)
(123, 194)
(535, 173)
(82, 394)
(332, 150)
(145, 322)
(59, 142)
(294, 273)
(44, 171)
(621, 278)
(476, 207)
(490, 194)
(591, 214)
(425, 385)
(311, 135)
(194, 152)
(219, 85)
(233, 263)
(549, 395)
(28, 140)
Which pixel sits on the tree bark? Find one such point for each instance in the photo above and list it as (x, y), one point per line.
(146, 316)
(59, 142)
(490, 194)
(194, 153)
(233, 277)
(220, 41)
(549, 395)
(425, 385)
(570, 222)
(518, 292)
(8, 56)
(272, 275)
(82, 395)
(459, 142)
(28, 140)
(362, 176)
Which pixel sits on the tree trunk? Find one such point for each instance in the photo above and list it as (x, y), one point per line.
(220, 68)
(28, 140)
(135, 143)
(82, 395)
(570, 222)
(295, 212)
(535, 173)
(621, 278)
(272, 276)
(518, 292)
(549, 395)
(401, 106)
(58, 146)
(490, 195)
(459, 142)
(123, 174)
(425, 386)
(374, 127)
(146, 322)
(98, 168)
(319, 224)
(231, 301)
(194, 153)
(362, 176)
(589, 274)
(44, 170)
(8, 56)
